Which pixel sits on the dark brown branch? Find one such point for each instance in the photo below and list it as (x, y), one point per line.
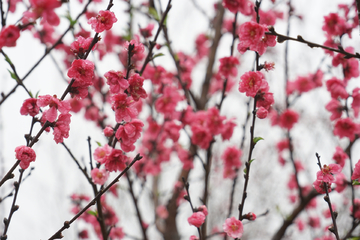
(212, 54)
(282, 38)
(138, 213)
(333, 214)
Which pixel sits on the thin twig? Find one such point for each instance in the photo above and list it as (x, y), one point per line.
(58, 234)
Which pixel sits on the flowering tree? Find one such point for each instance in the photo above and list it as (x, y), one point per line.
(241, 136)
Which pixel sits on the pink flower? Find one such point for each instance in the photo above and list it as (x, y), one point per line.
(12, 5)
(99, 176)
(251, 34)
(83, 234)
(319, 186)
(25, 155)
(300, 224)
(30, 107)
(45, 35)
(116, 161)
(356, 173)
(268, 66)
(117, 233)
(243, 6)
(128, 134)
(233, 227)
(345, 127)
(116, 81)
(350, 66)
(336, 87)
(108, 132)
(197, 219)
(228, 66)
(162, 212)
(81, 46)
(261, 113)
(146, 32)
(268, 17)
(154, 74)
(136, 89)
(215, 121)
(101, 153)
(231, 157)
(228, 129)
(44, 9)
(202, 46)
(292, 184)
(203, 209)
(327, 172)
(185, 157)
(336, 108)
(340, 182)
(356, 101)
(193, 237)
(103, 21)
(251, 83)
(54, 104)
(251, 216)
(138, 50)
(314, 222)
(82, 71)
(8, 36)
(356, 208)
(335, 25)
(265, 100)
(173, 130)
(288, 118)
(167, 102)
(340, 156)
(266, 41)
(62, 127)
(122, 105)
(201, 136)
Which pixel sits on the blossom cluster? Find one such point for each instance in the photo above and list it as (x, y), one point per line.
(60, 123)
(253, 84)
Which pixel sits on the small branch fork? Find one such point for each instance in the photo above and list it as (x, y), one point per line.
(58, 234)
(153, 43)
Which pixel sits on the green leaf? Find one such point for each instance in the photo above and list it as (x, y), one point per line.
(355, 182)
(153, 12)
(157, 55)
(68, 17)
(98, 143)
(13, 76)
(37, 94)
(165, 20)
(8, 60)
(176, 57)
(354, 238)
(92, 213)
(251, 161)
(256, 139)
(31, 95)
(245, 171)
